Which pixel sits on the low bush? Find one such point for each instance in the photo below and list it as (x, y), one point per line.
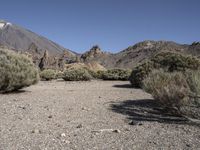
(177, 92)
(16, 71)
(76, 74)
(166, 60)
(116, 74)
(193, 79)
(170, 89)
(140, 72)
(59, 75)
(48, 74)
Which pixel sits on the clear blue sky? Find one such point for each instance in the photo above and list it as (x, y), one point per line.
(112, 24)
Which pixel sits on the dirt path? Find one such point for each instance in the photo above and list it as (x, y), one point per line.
(89, 115)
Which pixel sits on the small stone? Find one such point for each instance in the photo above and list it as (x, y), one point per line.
(116, 131)
(63, 135)
(140, 124)
(50, 116)
(132, 123)
(36, 131)
(99, 96)
(67, 142)
(84, 108)
(79, 126)
(188, 145)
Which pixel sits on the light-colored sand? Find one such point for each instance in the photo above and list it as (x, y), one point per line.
(79, 115)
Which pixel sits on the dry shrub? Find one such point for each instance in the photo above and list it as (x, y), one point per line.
(48, 74)
(170, 89)
(116, 74)
(168, 61)
(16, 71)
(176, 91)
(76, 74)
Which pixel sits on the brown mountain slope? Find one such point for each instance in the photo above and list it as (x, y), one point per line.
(137, 53)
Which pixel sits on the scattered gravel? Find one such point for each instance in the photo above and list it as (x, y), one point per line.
(60, 115)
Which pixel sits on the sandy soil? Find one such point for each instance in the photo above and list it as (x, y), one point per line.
(89, 115)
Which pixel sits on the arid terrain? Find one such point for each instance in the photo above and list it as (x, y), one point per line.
(89, 115)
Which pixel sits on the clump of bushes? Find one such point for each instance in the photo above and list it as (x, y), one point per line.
(168, 61)
(140, 72)
(48, 74)
(116, 74)
(59, 75)
(16, 71)
(175, 91)
(76, 74)
(170, 89)
(193, 80)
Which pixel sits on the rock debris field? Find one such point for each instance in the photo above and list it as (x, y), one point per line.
(102, 115)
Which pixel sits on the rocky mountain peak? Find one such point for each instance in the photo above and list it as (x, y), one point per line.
(95, 51)
(4, 24)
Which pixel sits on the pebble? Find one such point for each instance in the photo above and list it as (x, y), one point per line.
(133, 123)
(188, 145)
(117, 131)
(66, 141)
(50, 116)
(63, 135)
(37, 131)
(79, 126)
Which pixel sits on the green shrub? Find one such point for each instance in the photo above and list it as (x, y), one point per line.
(100, 73)
(16, 71)
(91, 72)
(59, 75)
(176, 62)
(176, 91)
(76, 74)
(116, 74)
(166, 60)
(170, 89)
(193, 79)
(48, 74)
(140, 72)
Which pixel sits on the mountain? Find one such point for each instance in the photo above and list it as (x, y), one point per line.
(17, 38)
(47, 54)
(138, 53)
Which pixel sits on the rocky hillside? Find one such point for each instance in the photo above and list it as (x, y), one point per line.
(137, 53)
(47, 54)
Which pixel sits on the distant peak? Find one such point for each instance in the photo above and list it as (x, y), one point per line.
(3, 24)
(95, 48)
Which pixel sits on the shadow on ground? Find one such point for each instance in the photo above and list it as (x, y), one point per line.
(123, 86)
(15, 92)
(146, 110)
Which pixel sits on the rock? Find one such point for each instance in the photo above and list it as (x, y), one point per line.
(85, 108)
(66, 141)
(79, 126)
(106, 130)
(188, 145)
(63, 135)
(116, 131)
(50, 116)
(140, 124)
(36, 131)
(133, 123)
(44, 62)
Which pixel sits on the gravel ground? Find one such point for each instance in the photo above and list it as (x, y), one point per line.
(89, 115)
